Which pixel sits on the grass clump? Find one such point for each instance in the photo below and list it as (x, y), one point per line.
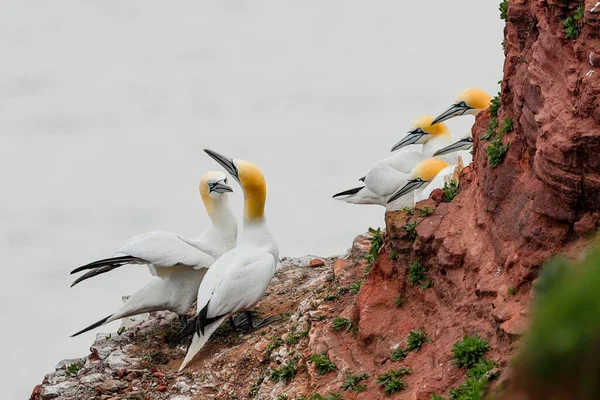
(282, 397)
(416, 339)
(353, 382)
(355, 287)
(317, 396)
(416, 275)
(392, 381)
(495, 106)
(491, 129)
(341, 323)
(394, 255)
(399, 354)
(256, 385)
(73, 369)
(504, 9)
(512, 290)
(275, 343)
(410, 228)
(469, 351)
(408, 210)
(425, 211)
(293, 338)
(376, 244)
(481, 369)
(286, 373)
(507, 126)
(572, 25)
(496, 152)
(322, 363)
(450, 190)
(398, 301)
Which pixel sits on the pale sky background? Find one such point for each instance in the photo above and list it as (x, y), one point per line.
(105, 108)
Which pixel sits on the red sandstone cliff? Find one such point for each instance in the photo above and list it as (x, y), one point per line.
(543, 199)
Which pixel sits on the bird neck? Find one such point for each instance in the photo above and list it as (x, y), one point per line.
(221, 216)
(254, 203)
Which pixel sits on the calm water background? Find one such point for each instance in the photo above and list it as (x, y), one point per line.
(106, 106)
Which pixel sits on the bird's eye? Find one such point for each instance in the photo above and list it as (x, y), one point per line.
(419, 130)
(462, 104)
(225, 181)
(211, 185)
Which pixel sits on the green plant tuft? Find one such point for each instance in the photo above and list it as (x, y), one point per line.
(491, 129)
(275, 343)
(507, 126)
(496, 152)
(355, 287)
(504, 9)
(376, 244)
(495, 106)
(391, 381)
(398, 301)
(425, 211)
(286, 373)
(416, 275)
(450, 190)
(73, 369)
(282, 396)
(293, 338)
(353, 382)
(256, 386)
(416, 339)
(481, 369)
(572, 25)
(341, 323)
(410, 228)
(469, 351)
(394, 255)
(512, 290)
(399, 355)
(317, 396)
(322, 363)
(408, 210)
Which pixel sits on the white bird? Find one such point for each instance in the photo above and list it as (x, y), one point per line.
(445, 176)
(178, 264)
(382, 180)
(433, 138)
(240, 277)
(421, 176)
(468, 102)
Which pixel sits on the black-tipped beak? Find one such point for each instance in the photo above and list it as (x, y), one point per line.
(411, 138)
(411, 185)
(221, 187)
(225, 162)
(454, 111)
(462, 144)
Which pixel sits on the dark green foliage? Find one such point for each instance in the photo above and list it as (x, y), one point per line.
(408, 210)
(416, 275)
(425, 211)
(286, 373)
(353, 382)
(572, 25)
(491, 129)
(495, 106)
(507, 126)
(322, 363)
(275, 343)
(512, 290)
(391, 381)
(469, 351)
(410, 228)
(256, 386)
(481, 369)
(436, 397)
(471, 389)
(416, 338)
(450, 190)
(504, 9)
(496, 152)
(399, 355)
(330, 396)
(393, 255)
(376, 243)
(355, 287)
(73, 369)
(294, 338)
(398, 301)
(282, 397)
(341, 323)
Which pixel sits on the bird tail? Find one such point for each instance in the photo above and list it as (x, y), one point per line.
(349, 192)
(93, 326)
(199, 341)
(103, 266)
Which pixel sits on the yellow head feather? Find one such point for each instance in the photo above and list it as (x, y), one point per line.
(428, 169)
(253, 182)
(209, 177)
(439, 129)
(475, 98)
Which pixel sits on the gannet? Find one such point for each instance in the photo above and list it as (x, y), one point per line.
(468, 102)
(178, 264)
(446, 175)
(432, 137)
(240, 277)
(420, 177)
(383, 179)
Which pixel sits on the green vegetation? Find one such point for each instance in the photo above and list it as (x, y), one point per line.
(491, 129)
(410, 228)
(317, 396)
(398, 301)
(340, 291)
(341, 323)
(282, 397)
(496, 152)
(121, 330)
(512, 290)
(355, 287)
(286, 373)
(398, 355)
(256, 385)
(481, 369)
(353, 382)
(473, 388)
(450, 190)
(416, 339)
(469, 351)
(322, 363)
(495, 105)
(275, 343)
(504, 9)
(425, 211)
(293, 338)
(436, 397)
(507, 126)
(73, 369)
(408, 210)
(391, 381)
(393, 255)
(416, 275)
(376, 244)
(572, 25)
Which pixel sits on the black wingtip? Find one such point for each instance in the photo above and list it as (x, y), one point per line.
(93, 326)
(348, 192)
(122, 260)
